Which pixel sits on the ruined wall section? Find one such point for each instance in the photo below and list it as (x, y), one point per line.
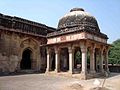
(12, 46)
(9, 48)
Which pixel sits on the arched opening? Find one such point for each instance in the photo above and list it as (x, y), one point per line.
(26, 59)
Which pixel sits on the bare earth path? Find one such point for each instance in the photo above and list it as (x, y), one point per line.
(43, 82)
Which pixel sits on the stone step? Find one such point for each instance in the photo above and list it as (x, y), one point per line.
(26, 71)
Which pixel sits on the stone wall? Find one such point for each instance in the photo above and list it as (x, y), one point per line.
(12, 46)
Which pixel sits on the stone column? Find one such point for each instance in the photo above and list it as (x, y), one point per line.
(71, 59)
(84, 62)
(57, 60)
(92, 61)
(48, 61)
(106, 61)
(101, 61)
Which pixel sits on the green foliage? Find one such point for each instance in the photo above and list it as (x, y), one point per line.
(117, 43)
(78, 57)
(114, 53)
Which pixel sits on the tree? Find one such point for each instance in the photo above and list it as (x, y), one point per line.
(78, 57)
(114, 53)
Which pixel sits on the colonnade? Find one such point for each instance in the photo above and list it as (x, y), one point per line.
(103, 51)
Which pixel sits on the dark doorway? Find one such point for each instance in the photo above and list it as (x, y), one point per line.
(64, 60)
(97, 53)
(53, 61)
(26, 60)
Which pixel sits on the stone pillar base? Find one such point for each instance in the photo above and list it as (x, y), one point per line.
(102, 71)
(56, 71)
(92, 71)
(47, 70)
(83, 75)
(70, 72)
(107, 73)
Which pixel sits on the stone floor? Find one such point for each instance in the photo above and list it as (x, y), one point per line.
(49, 82)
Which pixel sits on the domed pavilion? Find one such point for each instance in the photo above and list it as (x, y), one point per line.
(77, 46)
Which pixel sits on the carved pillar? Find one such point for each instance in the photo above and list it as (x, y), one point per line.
(101, 60)
(84, 62)
(92, 61)
(48, 61)
(57, 60)
(106, 61)
(71, 59)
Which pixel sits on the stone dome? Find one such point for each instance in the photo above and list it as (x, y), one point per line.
(77, 17)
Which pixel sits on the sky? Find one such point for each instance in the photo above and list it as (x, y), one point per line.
(107, 12)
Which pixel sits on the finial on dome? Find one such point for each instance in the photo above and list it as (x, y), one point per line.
(76, 9)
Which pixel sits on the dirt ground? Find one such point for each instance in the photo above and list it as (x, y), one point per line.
(46, 82)
(110, 83)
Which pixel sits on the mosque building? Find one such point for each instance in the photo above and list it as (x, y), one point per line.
(76, 46)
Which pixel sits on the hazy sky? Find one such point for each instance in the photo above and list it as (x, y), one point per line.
(107, 12)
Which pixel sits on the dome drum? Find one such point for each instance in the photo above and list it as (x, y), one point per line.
(77, 20)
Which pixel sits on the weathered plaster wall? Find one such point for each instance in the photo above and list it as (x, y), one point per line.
(12, 46)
